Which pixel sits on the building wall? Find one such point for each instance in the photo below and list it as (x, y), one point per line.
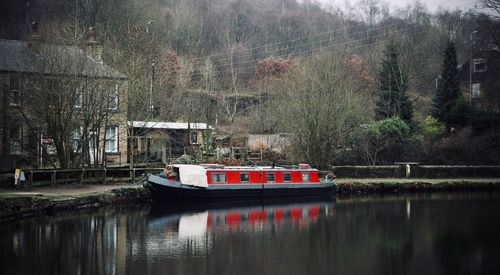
(15, 136)
(29, 150)
(119, 119)
(3, 114)
(488, 80)
(274, 142)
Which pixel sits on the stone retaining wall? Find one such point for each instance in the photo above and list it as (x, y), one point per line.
(355, 188)
(417, 171)
(29, 205)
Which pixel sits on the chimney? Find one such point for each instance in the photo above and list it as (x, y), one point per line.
(34, 40)
(94, 49)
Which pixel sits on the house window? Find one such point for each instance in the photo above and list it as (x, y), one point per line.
(112, 139)
(287, 177)
(476, 90)
(54, 92)
(270, 177)
(244, 177)
(93, 138)
(194, 137)
(113, 98)
(15, 139)
(15, 91)
(305, 177)
(78, 98)
(76, 140)
(219, 178)
(479, 65)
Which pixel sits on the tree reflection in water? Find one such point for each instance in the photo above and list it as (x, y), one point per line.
(444, 234)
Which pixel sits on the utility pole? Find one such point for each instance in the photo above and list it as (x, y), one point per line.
(151, 107)
(470, 66)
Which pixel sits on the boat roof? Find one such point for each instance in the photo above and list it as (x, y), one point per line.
(218, 167)
(195, 175)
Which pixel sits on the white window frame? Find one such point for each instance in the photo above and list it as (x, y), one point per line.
(476, 90)
(477, 61)
(16, 90)
(113, 98)
(15, 139)
(290, 177)
(79, 97)
(306, 177)
(219, 178)
(270, 174)
(247, 176)
(76, 137)
(111, 139)
(93, 146)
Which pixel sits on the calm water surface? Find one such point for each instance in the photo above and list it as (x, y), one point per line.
(425, 234)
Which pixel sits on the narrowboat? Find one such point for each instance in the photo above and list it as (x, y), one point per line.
(235, 182)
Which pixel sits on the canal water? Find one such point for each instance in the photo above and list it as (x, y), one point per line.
(415, 234)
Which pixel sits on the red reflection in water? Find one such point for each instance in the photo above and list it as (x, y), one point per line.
(296, 213)
(233, 218)
(257, 216)
(314, 213)
(278, 215)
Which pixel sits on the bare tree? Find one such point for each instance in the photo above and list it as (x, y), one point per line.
(321, 106)
(237, 67)
(70, 100)
(493, 5)
(185, 34)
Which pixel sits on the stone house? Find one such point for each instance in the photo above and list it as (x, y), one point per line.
(30, 73)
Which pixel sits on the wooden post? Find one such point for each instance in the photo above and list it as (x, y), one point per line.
(30, 180)
(104, 176)
(53, 178)
(133, 175)
(82, 175)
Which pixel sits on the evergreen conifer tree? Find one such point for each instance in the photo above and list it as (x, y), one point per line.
(393, 99)
(448, 91)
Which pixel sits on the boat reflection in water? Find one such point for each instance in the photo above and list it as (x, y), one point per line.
(195, 230)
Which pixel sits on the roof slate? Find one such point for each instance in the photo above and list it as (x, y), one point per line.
(16, 56)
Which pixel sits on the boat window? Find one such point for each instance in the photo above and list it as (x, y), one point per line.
(244, 177)
(270, 177)
(287, 177)
(305, 177)
(218, 178)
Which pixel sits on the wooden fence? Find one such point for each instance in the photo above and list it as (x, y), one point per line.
(53, 177)
(44, 177)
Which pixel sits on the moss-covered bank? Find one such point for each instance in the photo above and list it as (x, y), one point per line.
(15, 205)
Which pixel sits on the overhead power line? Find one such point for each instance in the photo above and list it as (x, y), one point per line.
(324, 49)
(344, 35)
